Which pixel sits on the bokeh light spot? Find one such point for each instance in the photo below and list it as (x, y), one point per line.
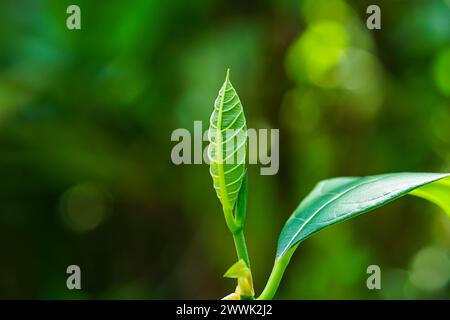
(315, 10)
(316, 52)
(84, 207)
(430, 269)
(441, 71)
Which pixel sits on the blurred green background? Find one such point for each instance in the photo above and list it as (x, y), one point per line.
(85, 124)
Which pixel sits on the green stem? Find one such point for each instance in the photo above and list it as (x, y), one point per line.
(275, 276)
(241, 247)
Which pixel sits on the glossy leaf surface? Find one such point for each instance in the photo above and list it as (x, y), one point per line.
(339, 199)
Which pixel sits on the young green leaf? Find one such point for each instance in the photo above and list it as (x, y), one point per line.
(339, 199)
(227, 149)
(242, 273)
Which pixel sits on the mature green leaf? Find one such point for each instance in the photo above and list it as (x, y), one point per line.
(228, 145)
(339, 199)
